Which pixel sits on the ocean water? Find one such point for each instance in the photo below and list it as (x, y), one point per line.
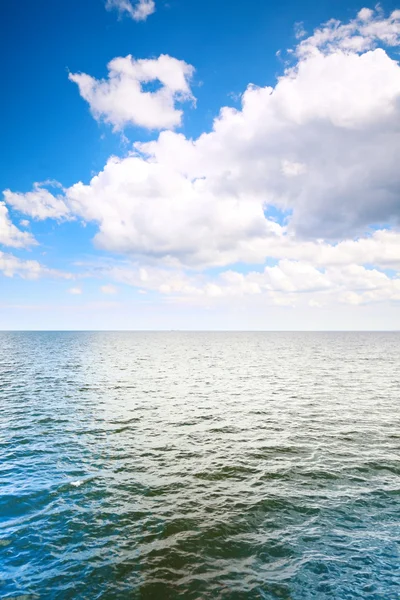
(199, 465)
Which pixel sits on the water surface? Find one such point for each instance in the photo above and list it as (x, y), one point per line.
(199, 465)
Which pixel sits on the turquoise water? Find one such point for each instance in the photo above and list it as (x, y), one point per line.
(199, 465)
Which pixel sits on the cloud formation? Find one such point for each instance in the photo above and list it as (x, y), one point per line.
(288, 282)
(40, 203)
(138, 11)
(123, 99)
(365, 32)
(11, 265)
(10, 235)
(108, 289)
(304, 174)
(321, 146)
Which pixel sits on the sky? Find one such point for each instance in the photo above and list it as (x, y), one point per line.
(190, 164)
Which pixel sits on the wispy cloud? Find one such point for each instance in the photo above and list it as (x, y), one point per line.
(109, 289)
(138, 11)
(11, 265)
(40, 203)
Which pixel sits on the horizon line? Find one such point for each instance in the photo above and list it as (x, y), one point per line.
(199, 330)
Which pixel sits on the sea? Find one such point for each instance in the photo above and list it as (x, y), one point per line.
(199, 465)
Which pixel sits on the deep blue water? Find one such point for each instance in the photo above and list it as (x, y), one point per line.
(200, 465)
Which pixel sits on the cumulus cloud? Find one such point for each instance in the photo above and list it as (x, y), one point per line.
(123, 98)
(168, 216)
(75, 291)
(382, 248)
(320, 147)
(138, 11)
(10, 235)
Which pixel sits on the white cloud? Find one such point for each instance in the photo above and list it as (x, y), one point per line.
(10, 235)
(165, 281)
(288, 283)
(299, 30)
(11, 265)
(123, 99)
(75, 291)
(294, 276)
(40, 203)
(314, 303)
(382, 248)
(292, 169)
(146, 208)
(109, 289)
(364, 32)
(138, 11)
(321, 146)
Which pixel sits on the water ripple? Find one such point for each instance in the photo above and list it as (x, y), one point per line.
(199, 466)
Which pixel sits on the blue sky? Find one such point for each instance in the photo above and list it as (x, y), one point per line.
(275, 214)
